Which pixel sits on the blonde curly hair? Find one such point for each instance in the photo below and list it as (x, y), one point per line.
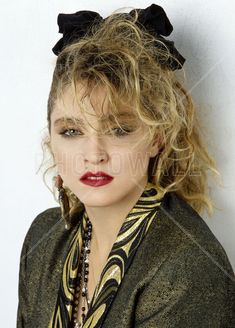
(124, 58)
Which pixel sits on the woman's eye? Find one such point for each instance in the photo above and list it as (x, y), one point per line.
(120, 132)
(70, 133)
(65, 131)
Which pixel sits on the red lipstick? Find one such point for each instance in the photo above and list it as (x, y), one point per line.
(96, 179)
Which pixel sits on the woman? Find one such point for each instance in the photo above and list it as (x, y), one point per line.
(127, 246)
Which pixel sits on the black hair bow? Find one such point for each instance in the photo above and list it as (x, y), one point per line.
(153, 19)
(74, 26)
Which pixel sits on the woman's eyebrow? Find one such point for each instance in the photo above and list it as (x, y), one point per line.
(70, 120)
(78, 121)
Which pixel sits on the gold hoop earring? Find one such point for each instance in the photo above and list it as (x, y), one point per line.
(64, 201)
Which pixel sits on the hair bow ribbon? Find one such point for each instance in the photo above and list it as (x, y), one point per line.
(74, 26)
(153, 19)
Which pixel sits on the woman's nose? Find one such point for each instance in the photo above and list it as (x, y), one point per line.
(94, 151)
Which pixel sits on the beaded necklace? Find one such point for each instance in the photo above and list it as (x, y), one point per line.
(83, 278)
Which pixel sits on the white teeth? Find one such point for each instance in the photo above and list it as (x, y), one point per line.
(96, 178)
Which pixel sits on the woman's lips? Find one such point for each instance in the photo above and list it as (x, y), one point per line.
(97, 179)
(97, 182)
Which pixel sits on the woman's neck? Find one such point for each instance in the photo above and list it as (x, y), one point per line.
(107, 221)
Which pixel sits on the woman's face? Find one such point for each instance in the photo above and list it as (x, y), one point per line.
(78, 148)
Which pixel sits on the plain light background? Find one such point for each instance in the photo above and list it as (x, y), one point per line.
(203, 33)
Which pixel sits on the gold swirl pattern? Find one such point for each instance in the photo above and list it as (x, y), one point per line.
(132, 232)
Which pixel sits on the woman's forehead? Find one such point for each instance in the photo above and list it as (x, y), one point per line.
(92, 103)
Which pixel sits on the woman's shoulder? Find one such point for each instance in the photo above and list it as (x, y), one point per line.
(47, 216)
(46, 219)
(185, 222)
(41, 224)
(181, 232)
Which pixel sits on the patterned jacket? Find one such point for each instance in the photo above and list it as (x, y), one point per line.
(179, 277)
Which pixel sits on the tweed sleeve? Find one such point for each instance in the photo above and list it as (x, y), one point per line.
(190, 289)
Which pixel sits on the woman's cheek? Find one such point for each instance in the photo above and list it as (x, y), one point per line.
(115, 164)
(62, 161)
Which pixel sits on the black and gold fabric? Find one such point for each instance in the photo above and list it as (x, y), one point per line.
(179, 276)
(131, 234)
